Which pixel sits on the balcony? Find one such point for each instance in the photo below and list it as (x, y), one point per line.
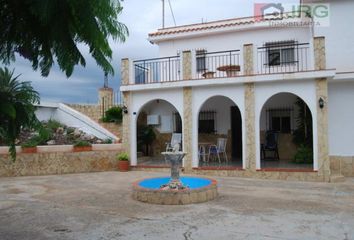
(272, 58)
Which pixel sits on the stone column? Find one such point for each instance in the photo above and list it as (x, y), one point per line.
(319, 46)
(248, 65)
(250, 155)
(187, 65)
(187, 128)
(105, 98)
(250, 121)
(322, 113)
(125, 71)
(126, 126)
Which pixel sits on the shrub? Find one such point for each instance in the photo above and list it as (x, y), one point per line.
(114, 114)
(32, 142)
(44, 135)
(303, 155)
(108, 141)
(123, 156)
(53, 125)
(82, 144)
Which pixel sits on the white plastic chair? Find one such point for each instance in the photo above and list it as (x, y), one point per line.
(175, 139)
(219, 149)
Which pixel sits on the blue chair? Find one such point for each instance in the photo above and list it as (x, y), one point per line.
(270, 145)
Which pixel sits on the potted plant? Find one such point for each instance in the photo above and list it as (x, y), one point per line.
(123, 162)
(82, 146)
(30, 146)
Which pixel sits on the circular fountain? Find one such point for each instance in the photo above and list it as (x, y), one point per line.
(175, 190)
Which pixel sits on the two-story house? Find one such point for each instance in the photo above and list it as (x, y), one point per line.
(274, 95)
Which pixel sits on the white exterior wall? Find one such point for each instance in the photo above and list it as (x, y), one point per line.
(339, 36)
(304, 89)
(234, 40)
(200, 95)
(140, 99)
(341, 118)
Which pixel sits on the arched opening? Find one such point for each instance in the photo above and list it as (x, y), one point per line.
(286, 133)
(157, 122)
(219, 133)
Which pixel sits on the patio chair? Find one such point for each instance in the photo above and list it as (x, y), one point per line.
(270, 145)
(203, 154)
(175, 139)
(219, 149)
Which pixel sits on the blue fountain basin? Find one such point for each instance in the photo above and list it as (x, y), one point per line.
(190, 182)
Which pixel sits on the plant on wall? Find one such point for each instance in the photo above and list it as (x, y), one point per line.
(114, 114)
(303, 135)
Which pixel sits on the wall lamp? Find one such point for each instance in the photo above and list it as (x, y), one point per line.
(321, 103)
(125, 109)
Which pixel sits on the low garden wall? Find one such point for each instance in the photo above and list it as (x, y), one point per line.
(59, 160)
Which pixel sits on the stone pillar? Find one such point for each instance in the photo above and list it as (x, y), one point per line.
(248, 65)
(250, 121)
(187, 65)
(105, 99)
(125, 71)
(250, 127)
(126, 125)
(187, 128)
(319, 45)
(322, 130)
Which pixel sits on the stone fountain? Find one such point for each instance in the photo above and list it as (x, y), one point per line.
(175, 190)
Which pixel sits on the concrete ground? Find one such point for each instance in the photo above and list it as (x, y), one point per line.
(99, 206)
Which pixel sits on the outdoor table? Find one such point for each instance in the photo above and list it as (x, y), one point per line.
(231, 70)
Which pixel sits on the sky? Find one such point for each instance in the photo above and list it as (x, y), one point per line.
(141, 18)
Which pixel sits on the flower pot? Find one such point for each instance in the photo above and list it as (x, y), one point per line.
(123, 166)
(29, 149)
(83, 149)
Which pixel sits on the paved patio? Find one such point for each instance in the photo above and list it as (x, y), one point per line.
(99, 206)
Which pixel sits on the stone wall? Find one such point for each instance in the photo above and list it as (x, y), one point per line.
(58, 163)
(92, 111)
(342, 166)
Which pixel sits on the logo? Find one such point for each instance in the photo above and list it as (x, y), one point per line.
(293, 15)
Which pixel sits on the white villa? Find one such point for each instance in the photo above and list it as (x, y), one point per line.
(279, 96)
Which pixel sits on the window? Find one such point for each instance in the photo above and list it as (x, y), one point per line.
(200, 57)
(280, 120)
(280, 53)
(207, 122)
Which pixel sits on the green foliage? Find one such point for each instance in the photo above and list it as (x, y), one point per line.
(108, 141)
(45, 32)
(53, 125)
(114, 114)
(303, 134)
(304, 155)
(146, 136)
(70, 130)
(123, 156)
(82, 143)
(32, 142)
(45, 135)
(17, 108)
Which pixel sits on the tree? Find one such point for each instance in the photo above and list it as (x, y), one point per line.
(17, 108)
(43, 31)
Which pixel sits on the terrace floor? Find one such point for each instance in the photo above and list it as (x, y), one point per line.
(99, 206)
(232, 163)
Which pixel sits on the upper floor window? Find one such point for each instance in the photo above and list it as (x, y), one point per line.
(280, 53)
(200, 59)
